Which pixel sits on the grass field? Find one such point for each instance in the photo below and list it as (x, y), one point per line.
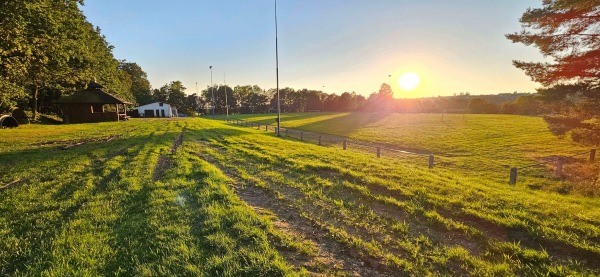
(486, 146)
(203, 197)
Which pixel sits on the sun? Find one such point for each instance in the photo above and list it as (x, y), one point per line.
(409, 81)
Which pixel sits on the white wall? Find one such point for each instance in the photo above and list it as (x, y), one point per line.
(158, 110)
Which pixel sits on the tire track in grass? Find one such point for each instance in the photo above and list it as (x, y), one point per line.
(325, 213)
(136, 239)
(67, 200)
(378, 195)
(331, 252)
(86, 243)
(476, 242)
(234, 144)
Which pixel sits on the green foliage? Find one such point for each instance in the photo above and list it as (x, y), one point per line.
(566, 31)
(478, 105)
(140, 86)
(50, 49)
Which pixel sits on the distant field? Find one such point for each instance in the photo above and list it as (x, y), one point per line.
(475, 145)
(203, 197)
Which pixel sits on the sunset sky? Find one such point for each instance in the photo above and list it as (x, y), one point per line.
(330, 45)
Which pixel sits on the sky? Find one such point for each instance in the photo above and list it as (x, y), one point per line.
(331, 45)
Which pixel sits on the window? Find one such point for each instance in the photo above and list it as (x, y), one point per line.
(160, 104)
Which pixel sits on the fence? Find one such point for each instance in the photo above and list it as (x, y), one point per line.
(330, 140)
(558, 161)
(380, 150)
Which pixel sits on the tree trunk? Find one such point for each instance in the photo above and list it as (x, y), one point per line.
(34, 108)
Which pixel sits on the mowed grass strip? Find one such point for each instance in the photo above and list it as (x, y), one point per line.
(95, 209)
(410, 218)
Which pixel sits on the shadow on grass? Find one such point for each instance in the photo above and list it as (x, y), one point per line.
(40, 237)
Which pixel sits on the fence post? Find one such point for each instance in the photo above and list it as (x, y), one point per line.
(345, 144)
(430, 161)
(319, 140)
(513, 176)
(378, 152)
(592, 155)
(286, 132)
(301, 135)
(559, 165)
(267, 127)
(258, 126)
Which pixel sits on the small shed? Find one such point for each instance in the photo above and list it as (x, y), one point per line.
(92, 105)
(157, 109)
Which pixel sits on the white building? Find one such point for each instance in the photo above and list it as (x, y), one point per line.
(157, 109)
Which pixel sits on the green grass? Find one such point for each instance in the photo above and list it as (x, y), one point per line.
(412, 218)
(130, 206)
(486, 146)
(95, 209)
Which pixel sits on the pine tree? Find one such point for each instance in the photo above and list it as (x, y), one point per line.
(567, 32)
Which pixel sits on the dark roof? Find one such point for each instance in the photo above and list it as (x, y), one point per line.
(92, 95)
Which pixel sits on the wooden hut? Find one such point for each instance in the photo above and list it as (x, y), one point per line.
(92, 105)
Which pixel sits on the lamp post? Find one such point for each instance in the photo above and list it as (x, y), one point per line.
(226, 105)
(212, 94)
(323, 100)
(277, 74)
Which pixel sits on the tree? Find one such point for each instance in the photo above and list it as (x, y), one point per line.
(381, 100)
(568, 31)
(140, 86)
(479, 106)
(49, 49)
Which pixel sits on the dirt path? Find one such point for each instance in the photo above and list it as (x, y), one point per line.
(331, 257)
(164, 160)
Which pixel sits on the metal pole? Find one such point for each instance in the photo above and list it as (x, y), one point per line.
(277, 72)
(212, 93)
(226, 105)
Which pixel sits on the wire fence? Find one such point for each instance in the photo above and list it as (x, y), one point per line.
(336, 141)
(557, 163)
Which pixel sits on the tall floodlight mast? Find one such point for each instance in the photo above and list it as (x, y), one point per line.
(212, 93)
(277, 74)
(226, 105)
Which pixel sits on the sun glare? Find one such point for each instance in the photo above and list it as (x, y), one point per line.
(409, 81)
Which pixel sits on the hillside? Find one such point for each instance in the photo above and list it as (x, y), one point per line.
(204, 197)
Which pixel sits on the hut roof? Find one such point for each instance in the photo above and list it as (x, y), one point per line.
(92, 95)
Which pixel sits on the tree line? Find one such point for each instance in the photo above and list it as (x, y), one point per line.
(49, 49)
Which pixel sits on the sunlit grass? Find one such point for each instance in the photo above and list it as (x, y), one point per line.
(475, 145)
(99, 208)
